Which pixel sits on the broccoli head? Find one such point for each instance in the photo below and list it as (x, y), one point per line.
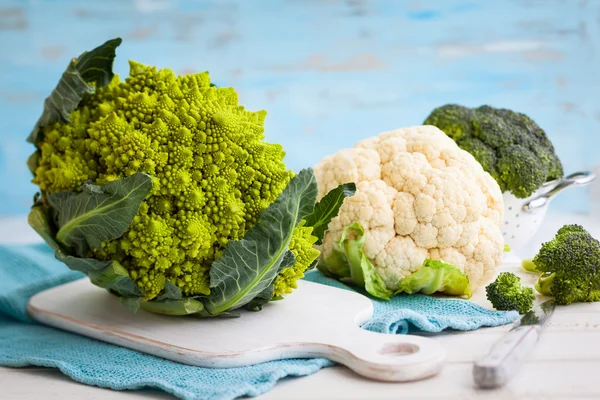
(509, 145)
(570, 266)
(506, 294)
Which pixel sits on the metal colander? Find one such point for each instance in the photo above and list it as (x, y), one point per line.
(523, 217)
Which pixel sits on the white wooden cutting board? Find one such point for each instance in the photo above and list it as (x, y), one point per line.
(315, 321)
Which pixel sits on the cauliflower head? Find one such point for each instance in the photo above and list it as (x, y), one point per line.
(418, 196)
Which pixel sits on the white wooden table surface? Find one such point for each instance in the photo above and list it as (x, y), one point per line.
(564, 365)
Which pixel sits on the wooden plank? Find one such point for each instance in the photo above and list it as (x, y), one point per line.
(547, 380)
(50, 384)
(550, 380)
(553, 346)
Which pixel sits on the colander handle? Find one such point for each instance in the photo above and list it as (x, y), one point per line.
(576, 179)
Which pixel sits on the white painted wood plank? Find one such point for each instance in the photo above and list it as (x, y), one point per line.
(50, 384)
(552, 346)
(547, 380)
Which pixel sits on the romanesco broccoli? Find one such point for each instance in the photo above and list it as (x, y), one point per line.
(212, 174)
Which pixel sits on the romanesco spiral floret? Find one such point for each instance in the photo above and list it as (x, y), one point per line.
(302, 248)
(212, 174)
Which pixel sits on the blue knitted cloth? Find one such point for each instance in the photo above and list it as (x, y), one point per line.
(26, 270)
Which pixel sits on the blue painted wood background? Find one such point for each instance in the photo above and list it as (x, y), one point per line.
(328, 72)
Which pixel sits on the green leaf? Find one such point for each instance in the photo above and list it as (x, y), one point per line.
(257, 303)
(335, 265)
(327, 209)
(173, 307)
(248, 266)
(110, 275)
(85, 265)
(437, 276)
(33, 161)
(312, 265)
(90, 67)
(362, 271)
(172, 292)
(133, 303)
(116, 278)
(106, 274)
(98, 213)
(39, 220)
(506, 248)
(349, 263)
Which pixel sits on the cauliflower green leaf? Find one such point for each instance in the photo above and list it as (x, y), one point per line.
(350, 263)
(327, 209)
(436, 276)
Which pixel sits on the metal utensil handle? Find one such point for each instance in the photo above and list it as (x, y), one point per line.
(506, 357)
(574, 180)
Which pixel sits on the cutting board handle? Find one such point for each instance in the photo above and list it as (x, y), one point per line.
(386, 357)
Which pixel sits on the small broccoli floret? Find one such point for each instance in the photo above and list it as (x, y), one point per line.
(570, 266)
(506, 294)
(510, 146)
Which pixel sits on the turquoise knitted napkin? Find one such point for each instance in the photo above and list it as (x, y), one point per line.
(26, 270)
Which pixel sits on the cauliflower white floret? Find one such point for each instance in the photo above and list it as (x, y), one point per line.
(418, 195)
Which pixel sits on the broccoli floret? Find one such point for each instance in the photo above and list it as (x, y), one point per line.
(570, 266)
(509, 145)
(212, 174)
(506, 294)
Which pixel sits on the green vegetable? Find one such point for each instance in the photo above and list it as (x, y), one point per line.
(570, 266)
(98, 213)
(437, 276)
(509, 145)
(84, 73)
(327, 209)
(506, 294)
(529, 265)
(264, 251)
(349, 263)
(162, 190)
